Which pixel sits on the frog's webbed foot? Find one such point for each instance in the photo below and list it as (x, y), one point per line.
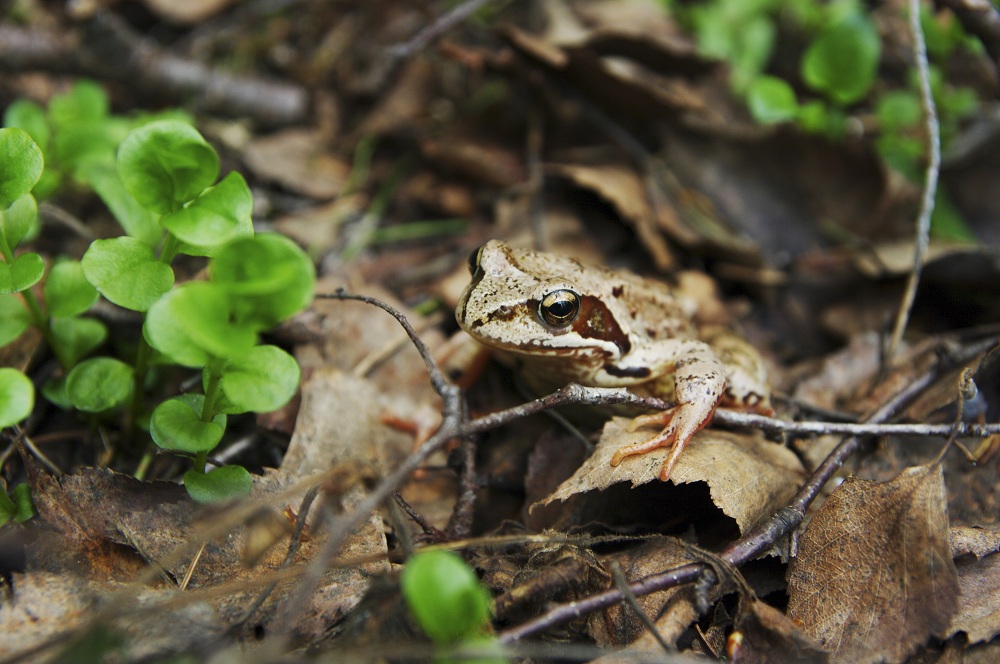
(700, 380)
(679, 423)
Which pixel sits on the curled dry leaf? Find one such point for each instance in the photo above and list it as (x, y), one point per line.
(980, 541)
(748, 477)
(978, 613)
(296, 159)
(874, 577)
(771, 636)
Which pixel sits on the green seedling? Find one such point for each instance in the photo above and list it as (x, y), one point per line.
(170, 174)
(448, 602)
(17, 506)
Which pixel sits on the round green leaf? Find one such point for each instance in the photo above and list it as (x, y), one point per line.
(54, 390)
(21, 165)
(22, 499)
(771, 100)
(20, 220)
(219, 215)
(98, 384)
(85, 101)
(191, 325)
(14, 318)
(22, 274)
(78, 336)
(137, 221)
(30, 117)
(165, 164)
(17, 397)
(67, 291)
(843, 59)
(176, 425)
(225, 483)
(445, 596)
(268, 278)
(261, 380)
(126, 272)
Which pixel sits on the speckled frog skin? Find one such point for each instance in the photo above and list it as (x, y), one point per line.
(564, 321)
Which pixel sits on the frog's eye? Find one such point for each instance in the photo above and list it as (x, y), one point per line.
(559, 308)
(474, 260)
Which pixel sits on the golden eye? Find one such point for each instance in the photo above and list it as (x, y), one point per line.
(559, 308)
(474, 260)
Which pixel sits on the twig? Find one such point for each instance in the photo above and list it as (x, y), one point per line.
(930, 181)
(759, 539)
(109, 49)
(621, 582)
(444, 23)
(342, 528)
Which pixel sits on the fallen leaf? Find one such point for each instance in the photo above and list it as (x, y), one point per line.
(748, 477)
(978, 613)
(296, 159)
(979, 541)
(771, 636)
(874, 577)
(186, 12)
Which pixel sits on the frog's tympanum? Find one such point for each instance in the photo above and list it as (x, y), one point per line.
(562, 321)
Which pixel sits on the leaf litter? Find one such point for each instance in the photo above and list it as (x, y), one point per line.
(873, 577)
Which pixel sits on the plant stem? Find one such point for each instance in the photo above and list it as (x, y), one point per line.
(214, 367)
(199, 462)
(170, 248)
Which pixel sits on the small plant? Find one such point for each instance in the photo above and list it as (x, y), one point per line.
(169, 173)
(448, 602)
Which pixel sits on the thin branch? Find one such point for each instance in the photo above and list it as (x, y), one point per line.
(107, 48)
(930, 180)
(443, 24)
(758, 539)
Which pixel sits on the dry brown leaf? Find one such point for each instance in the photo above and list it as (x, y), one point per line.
(978, 613)
(296, 159)
(47, 606)
(186, 12)
(771, 636)
(748, 477)
(979, 541)
(874, 577)
(671, 610)
(622, 187)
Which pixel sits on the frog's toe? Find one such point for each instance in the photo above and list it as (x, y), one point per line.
(659, 419)
(662, 439)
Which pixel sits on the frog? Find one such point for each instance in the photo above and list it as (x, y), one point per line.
(561, 321)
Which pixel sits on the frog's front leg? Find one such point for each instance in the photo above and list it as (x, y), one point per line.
(699, 383)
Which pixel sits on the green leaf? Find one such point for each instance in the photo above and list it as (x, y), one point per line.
(445, 596)
(898, 110)
(67, 291)
(219, 215)
(17, 397)
(771, 100)
(165, 164)
(137, 221)
(225, 483)
(85, 102)
(98, 384)
(7, 508)
(268, 278)
(176, 425)
(21, 165)
(78, 336)
(20, 220)
(22, 498)
(14, 318)
(22, 274)
(126, 272)
(30, 117)
(260, 381)
(191, 325)
(843, 60)
(54, 390)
